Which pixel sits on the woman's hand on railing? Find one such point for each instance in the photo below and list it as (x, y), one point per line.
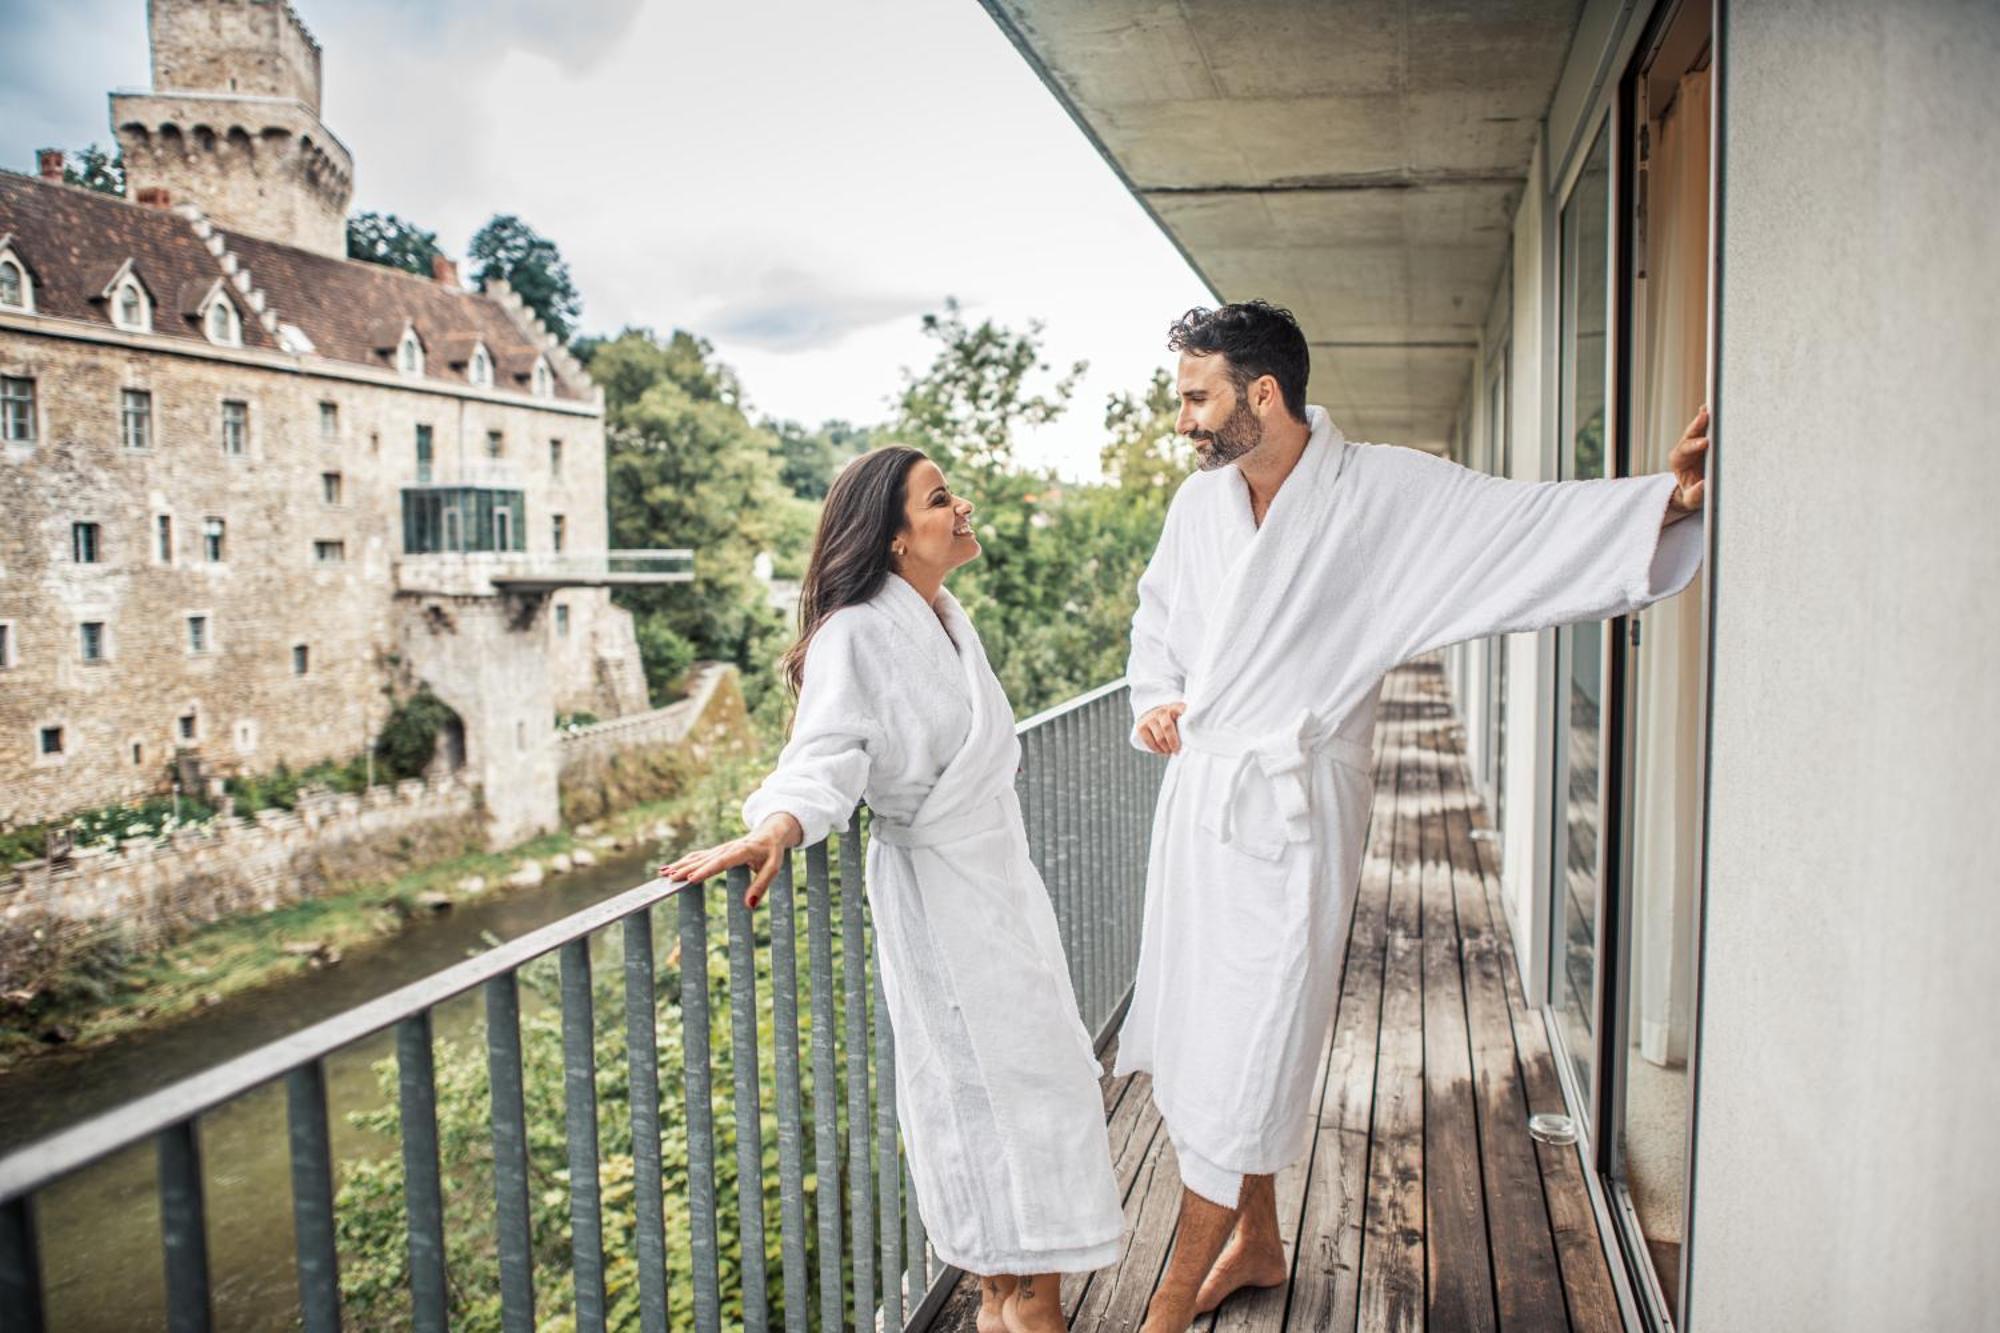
(763, 850)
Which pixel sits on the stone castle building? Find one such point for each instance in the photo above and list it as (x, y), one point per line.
(249, 488)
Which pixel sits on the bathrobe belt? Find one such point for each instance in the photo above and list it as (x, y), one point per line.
(982, 818)
(1285, 759)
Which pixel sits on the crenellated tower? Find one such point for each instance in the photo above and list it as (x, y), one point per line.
(232, 123)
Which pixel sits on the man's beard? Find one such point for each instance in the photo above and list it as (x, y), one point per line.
(1236, 437)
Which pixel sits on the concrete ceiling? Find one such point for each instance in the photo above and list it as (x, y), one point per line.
(1357, 161)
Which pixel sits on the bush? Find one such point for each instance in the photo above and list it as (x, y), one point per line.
(408, 738)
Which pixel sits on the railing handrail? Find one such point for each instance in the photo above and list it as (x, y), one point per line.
(37, 1164)
(1068, 706)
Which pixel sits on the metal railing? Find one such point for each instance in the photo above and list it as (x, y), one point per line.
(1087, 797)
(481, 573)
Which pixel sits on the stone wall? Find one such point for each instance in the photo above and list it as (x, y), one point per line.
(250, 707)
(152, 891)
(647, 756)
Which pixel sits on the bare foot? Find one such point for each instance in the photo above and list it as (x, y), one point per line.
(1242, 1263)
(993, 1293)
(1035, 1306)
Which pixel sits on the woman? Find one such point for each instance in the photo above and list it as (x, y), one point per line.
(996, 1082)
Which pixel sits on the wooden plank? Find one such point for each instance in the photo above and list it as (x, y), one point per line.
(1326, 1275)
(1586, 1275)
(1527, 1282)
(1117, 1299)
(1134, 1124)
(1392, 1254)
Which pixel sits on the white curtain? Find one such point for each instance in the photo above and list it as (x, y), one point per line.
(1670, 386)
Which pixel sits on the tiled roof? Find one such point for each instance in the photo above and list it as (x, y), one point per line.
(73, 239)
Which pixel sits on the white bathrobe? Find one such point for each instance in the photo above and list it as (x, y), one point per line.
(1277, 638)
(996, 1081)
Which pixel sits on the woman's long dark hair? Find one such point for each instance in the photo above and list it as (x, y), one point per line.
(850, 555)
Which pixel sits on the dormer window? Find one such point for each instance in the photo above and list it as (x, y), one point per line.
(17, 289)
(221, 323)
(480, 369)
(131, 310)
(542, 381)
(410, 354)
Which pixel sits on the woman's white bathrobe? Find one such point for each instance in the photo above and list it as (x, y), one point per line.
(1278, 637)
(996, 1082)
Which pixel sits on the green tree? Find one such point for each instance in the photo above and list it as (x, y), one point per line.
(968, 405)
(393, 242)
(509, 248)
(95, 169)
(809, 459)
(686, 467)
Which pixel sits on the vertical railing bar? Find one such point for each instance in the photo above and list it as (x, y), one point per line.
(749, 1107)
(586, 1204)
(826, 1088)
(183, 1229)
(854, 964)
(913, 1244)
(888, 1175)
(312, 1197)
(700, 1109)
(1060, 887)
(510, 1154)
(1099, 793)
(1073, 780)
(416, 1083)
(791, 1147)
(20, 1268)
(642, 1059)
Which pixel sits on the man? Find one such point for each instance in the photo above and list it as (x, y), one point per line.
(1294, 572)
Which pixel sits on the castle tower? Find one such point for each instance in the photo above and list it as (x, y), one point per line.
(232, 124)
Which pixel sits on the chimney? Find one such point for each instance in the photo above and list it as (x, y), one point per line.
(51, 160)
(154, 196)
(444, 271)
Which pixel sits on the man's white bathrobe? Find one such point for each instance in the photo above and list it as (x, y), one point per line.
(1277, 638)
(996, 1081)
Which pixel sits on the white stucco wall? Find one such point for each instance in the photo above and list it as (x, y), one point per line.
(1846, 1175)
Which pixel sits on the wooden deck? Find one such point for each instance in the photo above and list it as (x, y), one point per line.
(1424, 1204)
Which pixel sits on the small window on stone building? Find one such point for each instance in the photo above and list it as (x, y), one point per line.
(137, 418)
(555, 458)
(188, 726)
(91, 640)
(163, 538)
(557, 531)
(496, 444)
(301, 659)
(17, 410)
(138, 754)
(51, 740)
(410, 354)
(133, 311)
(329, 553)
(562, 621)
(543, 382)
(83, 543)
(480, 369)
(329, 487)
(235, 426)
(6, 644)
(520, 735)
(329, 421)
(211, 540)
(197, 634)
(423, 454)
(16, 293)
(221, 324)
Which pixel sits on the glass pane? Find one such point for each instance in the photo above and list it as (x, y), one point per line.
(1586, 236)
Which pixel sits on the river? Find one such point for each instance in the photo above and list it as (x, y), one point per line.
(99, 1230)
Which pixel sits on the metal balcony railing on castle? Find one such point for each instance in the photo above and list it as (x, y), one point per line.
(1087, 798)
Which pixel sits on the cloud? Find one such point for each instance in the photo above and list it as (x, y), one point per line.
(576, 37)
(785, 309)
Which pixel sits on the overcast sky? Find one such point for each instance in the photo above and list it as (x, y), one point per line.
(797, 182)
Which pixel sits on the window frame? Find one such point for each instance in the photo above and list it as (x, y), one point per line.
(214, 537)
(101, 642)
(141, 441)
(16, 390)
(410, 353)
(301, 659)
(130, 287)
(333, 489)
(26, 304)
(198, 639)
(321, 548)
(232, 333)
(86, 533)
(242, 424)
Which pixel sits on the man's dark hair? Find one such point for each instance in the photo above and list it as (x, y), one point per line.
(1256, 339)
